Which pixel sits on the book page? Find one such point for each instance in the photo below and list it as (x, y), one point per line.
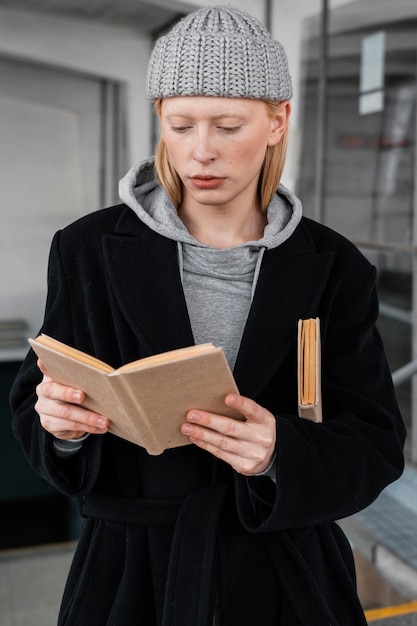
(309, 370)
(167, 357)
(78, 355)
(308, 356)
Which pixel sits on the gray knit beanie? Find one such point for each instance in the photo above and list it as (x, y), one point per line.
(219, 51)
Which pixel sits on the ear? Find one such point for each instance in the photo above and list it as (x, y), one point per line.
(280, 120)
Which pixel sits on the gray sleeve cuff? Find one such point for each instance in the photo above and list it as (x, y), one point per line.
(271, 470)
(68, 447)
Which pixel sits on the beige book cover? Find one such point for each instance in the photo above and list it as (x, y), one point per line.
(146, 401)
(309, 370)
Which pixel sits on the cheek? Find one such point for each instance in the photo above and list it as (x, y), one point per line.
(250, 154)
(175, 151)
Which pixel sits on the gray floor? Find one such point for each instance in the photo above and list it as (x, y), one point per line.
(386, 533)
(31, 584)
(405, 620)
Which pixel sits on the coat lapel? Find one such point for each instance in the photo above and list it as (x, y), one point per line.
(143, 273)
(290, 286)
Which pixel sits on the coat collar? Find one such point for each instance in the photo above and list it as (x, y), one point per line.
(289, 287)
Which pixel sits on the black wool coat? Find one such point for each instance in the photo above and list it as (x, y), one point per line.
(166, 539)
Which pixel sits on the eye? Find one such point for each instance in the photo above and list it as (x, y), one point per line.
(180, 129)
(229, 129)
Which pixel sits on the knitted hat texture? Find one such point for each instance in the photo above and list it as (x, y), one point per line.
(219, 51)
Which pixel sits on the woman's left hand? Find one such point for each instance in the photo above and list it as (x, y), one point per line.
(248, 446)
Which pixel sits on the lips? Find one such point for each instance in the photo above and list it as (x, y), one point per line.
(206, 181)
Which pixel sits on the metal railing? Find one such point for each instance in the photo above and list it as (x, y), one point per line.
(404, 373)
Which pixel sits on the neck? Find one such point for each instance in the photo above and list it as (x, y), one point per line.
(218, 228)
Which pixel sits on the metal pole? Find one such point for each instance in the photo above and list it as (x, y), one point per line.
(413, 434)
(268, 15)
(321, 129)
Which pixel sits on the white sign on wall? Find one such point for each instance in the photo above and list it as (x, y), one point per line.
(372, 72)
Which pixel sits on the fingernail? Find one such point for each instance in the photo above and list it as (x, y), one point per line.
(76, 396)
(187, 429)
(194, 417)
(101, 422)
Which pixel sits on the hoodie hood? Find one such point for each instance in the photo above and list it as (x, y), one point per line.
(139, 190)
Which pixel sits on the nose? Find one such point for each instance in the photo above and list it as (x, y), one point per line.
(204, 151)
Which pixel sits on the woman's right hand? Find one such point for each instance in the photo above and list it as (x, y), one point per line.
(60, 412)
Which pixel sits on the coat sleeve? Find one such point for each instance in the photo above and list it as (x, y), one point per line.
(328, 471)
(75, 475)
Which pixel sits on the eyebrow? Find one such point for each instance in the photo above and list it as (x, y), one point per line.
(214, 117)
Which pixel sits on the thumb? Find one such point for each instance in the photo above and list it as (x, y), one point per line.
(44, 370)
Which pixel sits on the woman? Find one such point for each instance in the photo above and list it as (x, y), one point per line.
(238, 528)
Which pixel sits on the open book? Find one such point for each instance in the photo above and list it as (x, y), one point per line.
(146, 401)
(309, 370)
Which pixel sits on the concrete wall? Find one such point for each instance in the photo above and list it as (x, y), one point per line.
(98, 50)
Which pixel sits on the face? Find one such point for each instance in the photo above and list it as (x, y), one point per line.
(217, 146)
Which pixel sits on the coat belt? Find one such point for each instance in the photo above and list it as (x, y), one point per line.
(195, 521)
(125, 510)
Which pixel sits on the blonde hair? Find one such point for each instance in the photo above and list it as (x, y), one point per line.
(269, 178)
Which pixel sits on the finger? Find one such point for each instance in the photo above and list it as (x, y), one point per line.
(200, 424)
(220, 432)
(59, 418)
(244, 458)
(248, 408)
(73, 415)
(55, 391)
(251, 445)
(58, 402)
(200, 421)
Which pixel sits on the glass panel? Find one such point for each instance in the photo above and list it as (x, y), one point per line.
(370, 163)
(395, 317)
(369, 158)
